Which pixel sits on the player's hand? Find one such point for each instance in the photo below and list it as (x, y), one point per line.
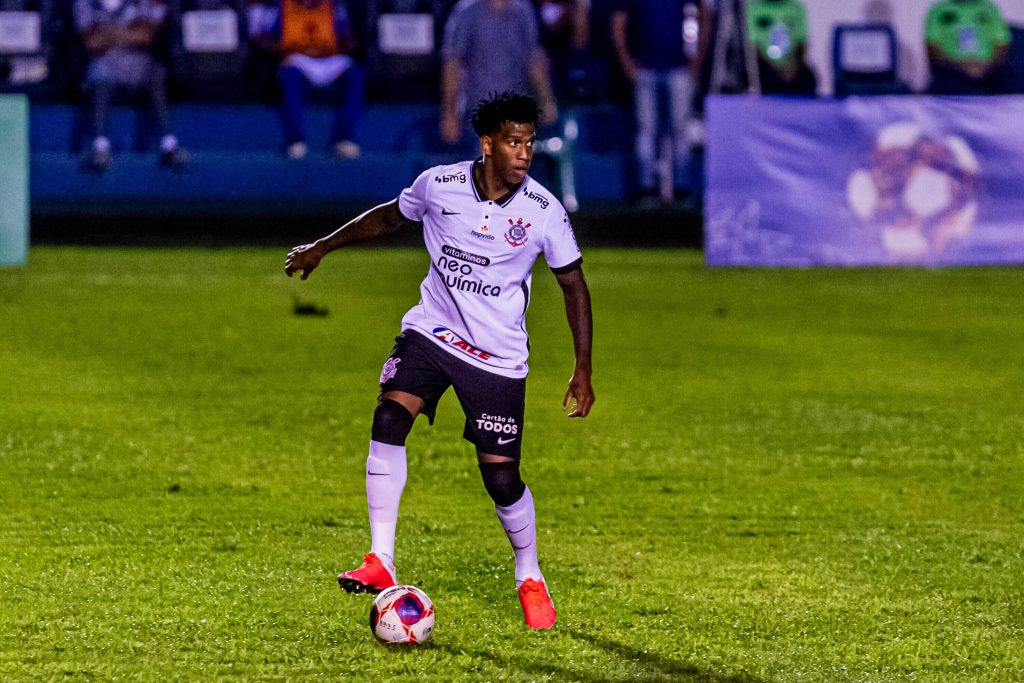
(579, 397)
(304, 258)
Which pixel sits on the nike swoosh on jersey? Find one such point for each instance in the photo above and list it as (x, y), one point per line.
(446, 212)
(502, 442)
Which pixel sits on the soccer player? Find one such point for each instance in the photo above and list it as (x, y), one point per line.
(485, 222)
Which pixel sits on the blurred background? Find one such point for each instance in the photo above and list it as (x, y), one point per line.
(240, 121)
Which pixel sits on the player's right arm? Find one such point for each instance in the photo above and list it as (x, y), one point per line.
(379, 221)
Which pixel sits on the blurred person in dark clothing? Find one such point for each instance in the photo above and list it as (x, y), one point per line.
(660, 46)
(491, 46)
(317, 43)
(120, 37)
(564, 35)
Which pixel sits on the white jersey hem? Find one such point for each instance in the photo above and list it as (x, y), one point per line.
(470, 360)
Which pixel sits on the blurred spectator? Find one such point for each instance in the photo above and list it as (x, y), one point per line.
(564, 34)
(778, 31)
(490, 46)
(316, 41)
(120, 37)
(660, 47)
(968, 43)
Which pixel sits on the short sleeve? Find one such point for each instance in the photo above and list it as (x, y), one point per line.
(412, 203)
(560, 248)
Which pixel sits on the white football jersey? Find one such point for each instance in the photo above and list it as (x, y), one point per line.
(474, 298)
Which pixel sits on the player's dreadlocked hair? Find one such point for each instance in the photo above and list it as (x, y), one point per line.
(489, 114)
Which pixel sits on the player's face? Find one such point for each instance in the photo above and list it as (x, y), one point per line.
(511, 150)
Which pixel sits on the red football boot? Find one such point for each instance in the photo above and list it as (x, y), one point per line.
(372, 576)
(537, 606)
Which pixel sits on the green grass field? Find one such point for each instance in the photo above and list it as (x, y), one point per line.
(799, 475)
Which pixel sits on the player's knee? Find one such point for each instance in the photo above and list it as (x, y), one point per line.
(391, 423)
(502, 481)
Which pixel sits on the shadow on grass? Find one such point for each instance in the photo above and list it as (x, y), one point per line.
(646, 666)
(656, 665)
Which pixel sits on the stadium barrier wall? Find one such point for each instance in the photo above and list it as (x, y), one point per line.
(864, 181)
(14, 193)
(238, 158)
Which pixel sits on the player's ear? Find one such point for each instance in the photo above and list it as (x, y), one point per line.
(487, 144)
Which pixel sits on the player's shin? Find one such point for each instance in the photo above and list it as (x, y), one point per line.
(385, 480)
(385, 475)
(519, 522)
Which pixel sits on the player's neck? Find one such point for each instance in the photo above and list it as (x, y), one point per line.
(489, 185)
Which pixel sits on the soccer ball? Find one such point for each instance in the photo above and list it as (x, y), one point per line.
(402, 614)
(919, 192)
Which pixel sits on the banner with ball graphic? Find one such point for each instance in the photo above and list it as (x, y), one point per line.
(864, 181)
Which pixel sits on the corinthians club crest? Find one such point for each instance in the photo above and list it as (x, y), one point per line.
(516, 234)
(390, 369)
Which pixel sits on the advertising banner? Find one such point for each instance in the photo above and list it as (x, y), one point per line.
(864, 181)
(13, 179)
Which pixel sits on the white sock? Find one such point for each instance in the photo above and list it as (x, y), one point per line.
(520, 526)
(101, 144)
(385, 479)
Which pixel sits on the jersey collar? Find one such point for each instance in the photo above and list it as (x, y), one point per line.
(501, 201)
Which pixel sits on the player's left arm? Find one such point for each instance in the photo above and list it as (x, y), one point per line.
(579, 397)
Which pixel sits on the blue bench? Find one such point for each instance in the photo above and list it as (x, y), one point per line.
(238, 157)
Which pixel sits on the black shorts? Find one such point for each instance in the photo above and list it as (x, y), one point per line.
(494, 405)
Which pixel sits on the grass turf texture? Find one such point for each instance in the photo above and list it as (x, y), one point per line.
(789, 475)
